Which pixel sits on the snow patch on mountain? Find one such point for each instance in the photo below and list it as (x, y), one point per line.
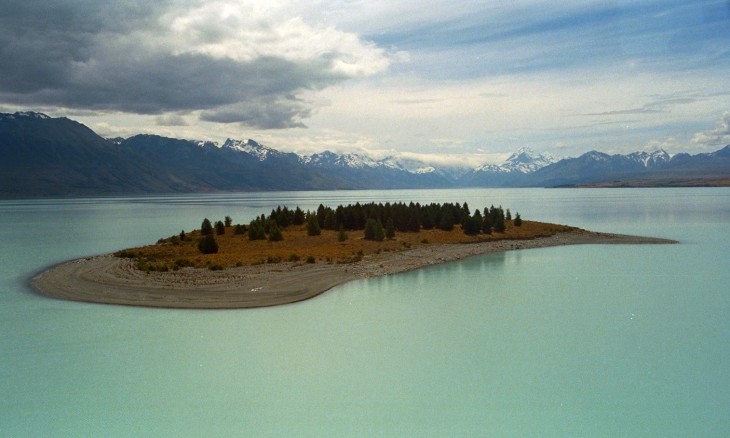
(524, 160)
(651, 159)
(350, 160)
(251, 147)
(23, 114)
(205, 143)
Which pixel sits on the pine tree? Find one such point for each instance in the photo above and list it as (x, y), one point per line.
(330, 222)
(447, 220)
(472, 224)
(499, 223)
(389, 228)
(370, 229)
(374, 230)
(313, 228)
(220, 228)
(298, 218)
(207, 244)
(414, 223)
(228, 221)
(206, 227)
(274, 232)
(465, 212)
(427, 219)
(486, 224)
(256, 230)
(379, 232)
(518, 220)
(342, 235)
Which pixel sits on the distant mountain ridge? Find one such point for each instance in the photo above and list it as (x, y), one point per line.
(44, 156)
(524, 160)
(653, 168)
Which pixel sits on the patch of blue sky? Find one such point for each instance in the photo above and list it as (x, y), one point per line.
(656, 36)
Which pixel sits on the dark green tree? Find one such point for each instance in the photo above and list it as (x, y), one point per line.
(486, 225)
(183, 236)
(330, 221)
(508, 215)
(518, 220)
(228, 221)
(414, 222)
(274, 232)
(370, 229)
(283, 217)
(389, 228)
(499, 223)
(342, 235)
(379, 231)
(472, 224)
(374, 230)
(298, 218)
(465, 212)
(206, 227)
(207, 244)
(313, 228)
(321, 213)
(220, 228)
(428, 220)
(239, 229)
(447, 221)
(256, 230)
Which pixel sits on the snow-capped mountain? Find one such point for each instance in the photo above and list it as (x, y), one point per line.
(651, 159)
(44, 156)
(24, 115)
(409, 165)
(389, 172)
(252, 148)
(350, 160)
(524, 160)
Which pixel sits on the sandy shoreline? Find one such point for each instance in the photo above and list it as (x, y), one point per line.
(111, 280)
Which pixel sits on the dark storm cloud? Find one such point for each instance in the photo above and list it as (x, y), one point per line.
(97, 55)
(286, 112)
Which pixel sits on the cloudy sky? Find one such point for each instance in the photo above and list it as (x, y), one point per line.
(466, 80)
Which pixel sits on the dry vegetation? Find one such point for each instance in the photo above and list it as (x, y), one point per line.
(236, 249)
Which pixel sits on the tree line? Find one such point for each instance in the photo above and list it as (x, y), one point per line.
(378, 221)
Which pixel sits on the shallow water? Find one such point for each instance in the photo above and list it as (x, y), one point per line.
(571, 341)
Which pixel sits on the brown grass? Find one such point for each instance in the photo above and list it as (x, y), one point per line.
(237, 250)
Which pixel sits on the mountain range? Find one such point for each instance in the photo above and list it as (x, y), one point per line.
(44, 156)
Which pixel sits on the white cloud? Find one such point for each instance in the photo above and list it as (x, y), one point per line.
(247, 30)
(670, 145)
(712, 138)
(233, 61)
(422, 77)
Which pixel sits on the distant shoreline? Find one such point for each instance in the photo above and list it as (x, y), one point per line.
(111, 280)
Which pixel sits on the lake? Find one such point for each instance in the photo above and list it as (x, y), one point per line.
(612, 340)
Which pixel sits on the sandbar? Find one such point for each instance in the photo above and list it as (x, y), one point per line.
(112, 280)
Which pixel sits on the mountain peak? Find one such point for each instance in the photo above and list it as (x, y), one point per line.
(523, 160)
(331, 159)
(651, 158)
(250, 147)
(23, 115)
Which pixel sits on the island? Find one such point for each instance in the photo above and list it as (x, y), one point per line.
(293, 255)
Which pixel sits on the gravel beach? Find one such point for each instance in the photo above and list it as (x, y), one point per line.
(112, 280)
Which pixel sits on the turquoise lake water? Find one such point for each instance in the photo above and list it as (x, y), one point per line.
(594, 340)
